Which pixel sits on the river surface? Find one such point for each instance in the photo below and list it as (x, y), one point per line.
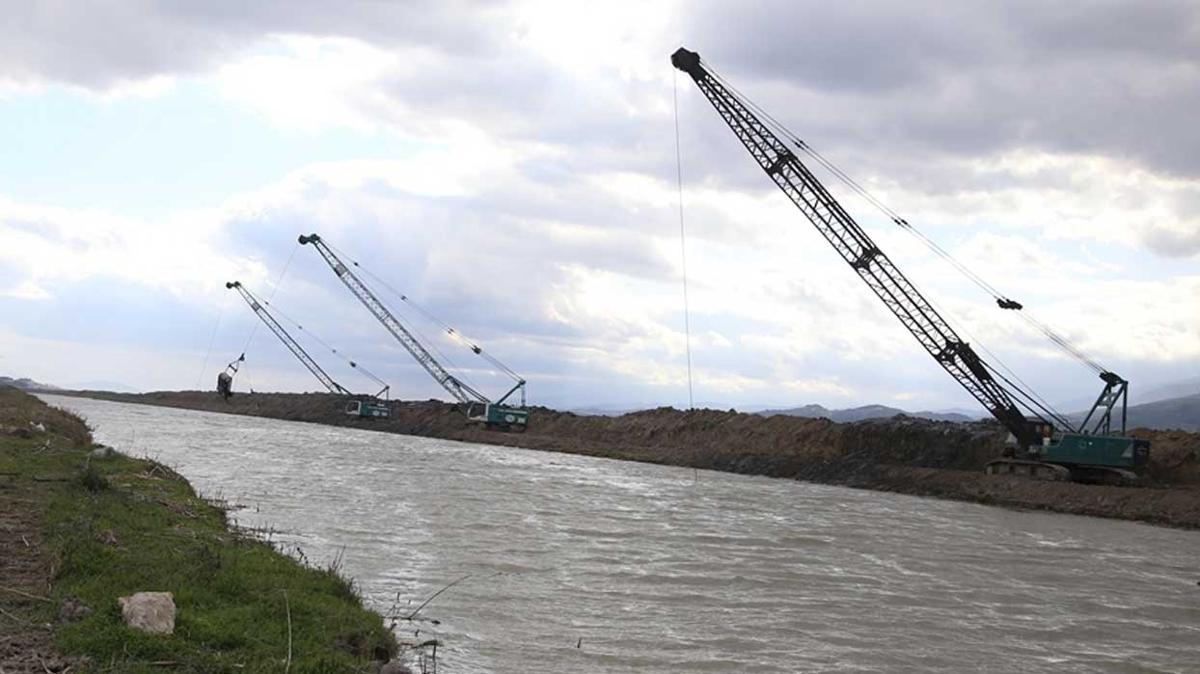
(576, 564)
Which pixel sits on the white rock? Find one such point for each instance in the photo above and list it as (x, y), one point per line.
(101, 453)
(152, 612)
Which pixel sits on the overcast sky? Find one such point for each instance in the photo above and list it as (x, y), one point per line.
(512, 168)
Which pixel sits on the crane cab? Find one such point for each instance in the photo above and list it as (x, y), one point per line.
(500, 417)
(1105, 451)
(368, 409)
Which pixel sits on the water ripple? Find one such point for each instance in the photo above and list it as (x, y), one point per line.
(650, 569)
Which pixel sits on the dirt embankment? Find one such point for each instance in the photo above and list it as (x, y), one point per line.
(903, 454)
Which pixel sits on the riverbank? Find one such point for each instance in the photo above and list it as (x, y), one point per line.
(904, 455)
(82, 525)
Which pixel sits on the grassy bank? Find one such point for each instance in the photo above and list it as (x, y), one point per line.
(81, 530)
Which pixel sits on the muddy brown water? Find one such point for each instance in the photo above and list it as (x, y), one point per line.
(578, 564)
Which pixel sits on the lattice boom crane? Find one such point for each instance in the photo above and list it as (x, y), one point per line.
(478, 407)
(298, 351)
(1047, 452)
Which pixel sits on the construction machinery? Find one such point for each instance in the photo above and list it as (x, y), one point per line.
(362, 406)
(1045, 444)
(225, 377)
(477, 407)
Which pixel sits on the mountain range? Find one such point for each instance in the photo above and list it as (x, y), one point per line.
(864, 412)
(1182, 413)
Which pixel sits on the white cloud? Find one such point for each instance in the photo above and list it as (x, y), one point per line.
(54, 245)
(309, 83)
(538, 202)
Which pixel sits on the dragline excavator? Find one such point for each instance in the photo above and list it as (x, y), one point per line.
(367, 407)
(1045, 444)
(476, 406)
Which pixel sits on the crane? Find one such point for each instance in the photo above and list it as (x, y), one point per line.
(1047, 445)
(370, 408)
(476, 406)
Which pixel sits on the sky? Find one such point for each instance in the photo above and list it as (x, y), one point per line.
(512, 169)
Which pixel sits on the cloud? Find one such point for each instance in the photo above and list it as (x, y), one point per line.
(534, 202)
(1118, 79)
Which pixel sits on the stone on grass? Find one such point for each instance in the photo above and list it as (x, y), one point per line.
(101, 452)
(152, 612)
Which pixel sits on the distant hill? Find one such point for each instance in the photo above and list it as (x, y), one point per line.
(26, 384)
(1182, 413)
(601, 411)
(107, 385)
(1178, 389)
(864, 412)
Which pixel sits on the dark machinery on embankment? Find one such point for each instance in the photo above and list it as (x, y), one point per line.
(1046, 444)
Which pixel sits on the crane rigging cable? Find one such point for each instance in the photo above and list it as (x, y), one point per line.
(274, 289)
(446, 327)
(1001, 300)
(687, 319)
(350, 361)
(211, 340)
(408, 324)
(477, 407)
(1044, 444)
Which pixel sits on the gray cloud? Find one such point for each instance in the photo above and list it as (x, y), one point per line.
(101, 42)
(899, 89)
(1121, 79)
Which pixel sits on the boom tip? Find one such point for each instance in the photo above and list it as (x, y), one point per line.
(311, 237)
(685, 60)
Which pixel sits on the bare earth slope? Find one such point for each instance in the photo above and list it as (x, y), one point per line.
(903, 454)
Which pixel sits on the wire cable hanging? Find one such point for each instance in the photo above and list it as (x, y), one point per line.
(1003, 301)
(349, 360)
(446, 327)
(687, 320)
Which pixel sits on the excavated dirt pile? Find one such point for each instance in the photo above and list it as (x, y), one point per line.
(901, 454)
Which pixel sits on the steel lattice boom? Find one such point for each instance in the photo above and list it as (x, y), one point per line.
(461, 392)
(857, 249)
(261, 311)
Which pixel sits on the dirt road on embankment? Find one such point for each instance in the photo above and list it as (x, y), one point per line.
(903, 454)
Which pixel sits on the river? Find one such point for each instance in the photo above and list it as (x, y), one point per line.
(578, 564)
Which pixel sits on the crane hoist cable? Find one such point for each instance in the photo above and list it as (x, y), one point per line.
(1045, 445)
(212, 339)
(274, 289)
(477, 407)
(1025, 393)
(687, 314)
(346, 357)
(453, 333)
(1002, 300)
(259, 306)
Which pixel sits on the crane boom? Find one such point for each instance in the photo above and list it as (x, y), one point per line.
(461, 392)
(291, 344)
(863, 255)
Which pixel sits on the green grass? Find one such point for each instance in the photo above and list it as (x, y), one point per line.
(117, 525)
